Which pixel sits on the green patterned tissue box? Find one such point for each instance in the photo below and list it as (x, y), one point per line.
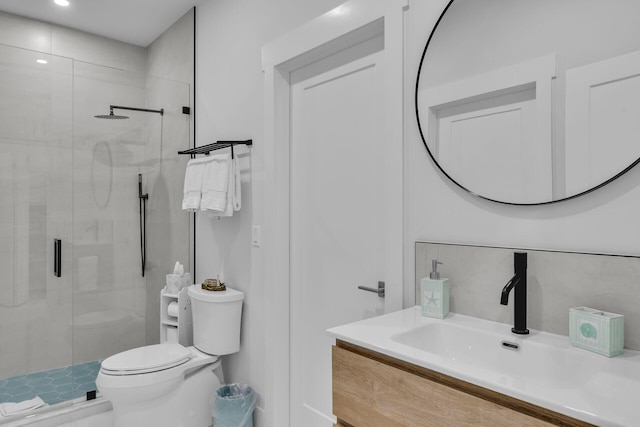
(596, 330)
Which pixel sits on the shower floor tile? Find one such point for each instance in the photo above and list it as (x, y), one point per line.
(53, 386)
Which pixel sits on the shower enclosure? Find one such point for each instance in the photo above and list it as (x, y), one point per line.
(71, 288)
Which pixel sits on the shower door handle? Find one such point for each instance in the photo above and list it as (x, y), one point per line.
(57, 257)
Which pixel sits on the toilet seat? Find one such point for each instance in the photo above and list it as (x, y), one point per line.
(144, 360)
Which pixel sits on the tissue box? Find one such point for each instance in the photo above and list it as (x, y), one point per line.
(175, 282)
(596, 330)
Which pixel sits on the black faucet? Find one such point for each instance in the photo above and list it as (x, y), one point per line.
(518, 281)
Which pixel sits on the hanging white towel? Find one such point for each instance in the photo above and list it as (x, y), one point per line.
(237, 193)
(10, 408)
(215, 183)
(193, 184)
(234, 194)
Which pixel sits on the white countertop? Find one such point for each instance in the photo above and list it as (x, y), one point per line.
(575, 382)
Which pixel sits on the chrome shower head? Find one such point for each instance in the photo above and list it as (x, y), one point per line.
(111, 116)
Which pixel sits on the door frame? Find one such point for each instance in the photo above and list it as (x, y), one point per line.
(347, 25)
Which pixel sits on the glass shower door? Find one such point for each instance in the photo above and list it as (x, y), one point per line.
(69, 177)
(35, 210)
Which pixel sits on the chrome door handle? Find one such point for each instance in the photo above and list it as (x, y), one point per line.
(379, 291)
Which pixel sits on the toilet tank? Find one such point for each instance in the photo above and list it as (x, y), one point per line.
(216, 320)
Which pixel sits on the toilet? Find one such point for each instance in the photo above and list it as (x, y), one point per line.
(169, 384)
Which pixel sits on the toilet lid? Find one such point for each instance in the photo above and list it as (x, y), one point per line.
(151, 358)
(196, 292)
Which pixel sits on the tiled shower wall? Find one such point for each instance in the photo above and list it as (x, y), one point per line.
(73, 177)
(169, 85)
(556, 282)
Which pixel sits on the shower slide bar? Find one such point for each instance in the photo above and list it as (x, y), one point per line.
(57, 257)
(206, 149)
(143, 223)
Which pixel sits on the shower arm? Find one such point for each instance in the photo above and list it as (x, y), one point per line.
(146, 110)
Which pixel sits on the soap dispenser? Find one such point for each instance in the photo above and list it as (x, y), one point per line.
(434, 293)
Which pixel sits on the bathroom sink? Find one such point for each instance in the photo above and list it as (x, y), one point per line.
(540, 368)
(482, 345)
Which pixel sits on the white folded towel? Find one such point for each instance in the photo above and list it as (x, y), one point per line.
(10, 408)
(215, 183)
(234, 195)
(193, 184)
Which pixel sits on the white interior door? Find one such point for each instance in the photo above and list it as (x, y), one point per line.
(339, 217)
(493, 151)
(602, 125)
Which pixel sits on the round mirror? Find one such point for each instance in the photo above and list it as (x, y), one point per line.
(532, 101)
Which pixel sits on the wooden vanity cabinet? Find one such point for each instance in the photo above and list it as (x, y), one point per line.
(371, 389)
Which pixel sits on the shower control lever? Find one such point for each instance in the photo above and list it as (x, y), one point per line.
(140, 195)
(379, 291)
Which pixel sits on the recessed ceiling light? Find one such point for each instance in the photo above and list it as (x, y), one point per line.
(42, 61)
(61, 2)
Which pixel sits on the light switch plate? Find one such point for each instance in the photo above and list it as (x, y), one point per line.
(256, 237)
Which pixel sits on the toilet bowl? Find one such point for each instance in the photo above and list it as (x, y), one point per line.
(169, 384)
(146, 385)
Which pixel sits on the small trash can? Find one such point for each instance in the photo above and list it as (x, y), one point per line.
(233, 406)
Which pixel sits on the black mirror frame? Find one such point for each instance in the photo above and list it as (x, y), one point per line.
(424, 141)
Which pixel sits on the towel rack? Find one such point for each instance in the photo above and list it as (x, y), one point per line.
(206, 149)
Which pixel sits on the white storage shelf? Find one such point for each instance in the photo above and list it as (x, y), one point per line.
(176, 327)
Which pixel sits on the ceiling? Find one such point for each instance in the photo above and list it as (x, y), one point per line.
(138, 22)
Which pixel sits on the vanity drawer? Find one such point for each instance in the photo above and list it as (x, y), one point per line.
(371, 389)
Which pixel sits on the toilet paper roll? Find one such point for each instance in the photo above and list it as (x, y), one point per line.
(172, 334)
(172, 309)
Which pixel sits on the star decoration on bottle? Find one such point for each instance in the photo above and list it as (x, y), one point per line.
(432, 299)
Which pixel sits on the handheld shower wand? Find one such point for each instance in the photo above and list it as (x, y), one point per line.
(140, 195)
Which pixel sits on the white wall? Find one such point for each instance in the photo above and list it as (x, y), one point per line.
(229, 104)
